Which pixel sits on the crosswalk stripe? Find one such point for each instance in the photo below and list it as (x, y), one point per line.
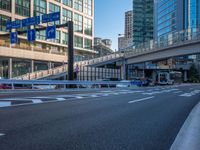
(5, 104)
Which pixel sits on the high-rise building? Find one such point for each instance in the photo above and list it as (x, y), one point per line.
(171, 16)
(127, 38)
(142, 21)
(27, 57)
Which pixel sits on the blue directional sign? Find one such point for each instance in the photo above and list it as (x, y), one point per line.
(31, 21)
(8, 25)
(51, 17)
(13, 37)
(51, 32)
(13, 24)
(31, 35)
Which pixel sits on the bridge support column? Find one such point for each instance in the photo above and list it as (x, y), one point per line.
(10, 68)
(32, 66)
(185, 76)
(123, 70)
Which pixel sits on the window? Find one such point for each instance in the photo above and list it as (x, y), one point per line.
(5, 5)
(3, 20)
(67, 3)
(88, 44)
(78, 23)
(54, 8)
(40, 7)
(41, 35)
(88, 7)
(65, 38)
(78, 41)
(22, 7)
(88, 26)
(78, 5)
(67, 15)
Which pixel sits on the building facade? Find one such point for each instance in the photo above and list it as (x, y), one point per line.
(102, 46)
(142, 21)
(127, 39)
(43, 54)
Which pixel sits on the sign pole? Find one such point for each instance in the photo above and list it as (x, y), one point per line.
(70, 50)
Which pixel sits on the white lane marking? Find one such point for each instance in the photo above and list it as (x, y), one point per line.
(139, 100)
(1, 134)
(61, 99)
(94, 96)
(177, 92)
(105, 94)
(5, 104)
(37, 101)
(193, 93)
(79, 97)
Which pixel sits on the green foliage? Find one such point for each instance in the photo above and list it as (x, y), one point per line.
(193, 74)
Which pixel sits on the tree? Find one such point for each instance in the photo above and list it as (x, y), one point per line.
(193, 74)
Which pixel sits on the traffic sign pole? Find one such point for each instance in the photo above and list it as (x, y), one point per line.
(70, 50)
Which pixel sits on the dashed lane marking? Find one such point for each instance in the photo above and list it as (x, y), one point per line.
(37, 101)
(139, 100)
(1, 134)
(60, 99)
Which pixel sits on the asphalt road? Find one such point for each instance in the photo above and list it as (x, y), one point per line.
(139, 119)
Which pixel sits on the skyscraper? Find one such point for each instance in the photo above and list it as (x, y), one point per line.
(127, 38)
(171, 16)
(142, 21)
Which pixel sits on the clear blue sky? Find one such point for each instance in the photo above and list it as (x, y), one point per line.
(109, 18)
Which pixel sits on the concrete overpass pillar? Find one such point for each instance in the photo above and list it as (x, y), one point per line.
(123, 70)
(32, 66)
(10, 66)
(185, 76)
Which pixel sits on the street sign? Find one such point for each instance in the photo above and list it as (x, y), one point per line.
(51, 17)
(8, 25)
(31, 36)
(31, 21)
(13, 38)
(13, 24)
(51, 32)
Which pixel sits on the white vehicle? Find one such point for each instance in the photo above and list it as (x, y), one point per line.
(124, 84)
(164, 79)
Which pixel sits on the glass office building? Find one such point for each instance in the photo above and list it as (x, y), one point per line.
(142, 21)
(171, 16)
(45, 53)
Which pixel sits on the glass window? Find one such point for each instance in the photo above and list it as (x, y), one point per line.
(67, 15)
(88, 7)
(78, 23)
(78, 5)
(88, 26)
(65, 38)
(54, 8)
(40, 7)
(67, 3)
(3, 20)
(78, 41)
(41, 35)
(5, 5)
(22, 7)
(88, 44)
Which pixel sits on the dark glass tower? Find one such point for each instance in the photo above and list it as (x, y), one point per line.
(142, 21)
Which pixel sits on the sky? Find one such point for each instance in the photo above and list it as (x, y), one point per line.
(109, 19)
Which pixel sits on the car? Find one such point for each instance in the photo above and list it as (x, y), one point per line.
(124, 84)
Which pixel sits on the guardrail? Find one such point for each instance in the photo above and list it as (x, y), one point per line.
(32, 84)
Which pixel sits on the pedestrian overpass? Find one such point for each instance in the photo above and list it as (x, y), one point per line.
(177, 44)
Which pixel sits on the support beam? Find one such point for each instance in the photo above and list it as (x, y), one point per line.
(10, 68)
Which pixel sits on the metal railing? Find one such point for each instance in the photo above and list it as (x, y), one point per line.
(56, 84)
(42, 73)
(169, 41)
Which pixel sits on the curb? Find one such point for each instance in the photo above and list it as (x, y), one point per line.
(188, 137)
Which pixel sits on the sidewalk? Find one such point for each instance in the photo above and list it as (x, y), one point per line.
(188, 137)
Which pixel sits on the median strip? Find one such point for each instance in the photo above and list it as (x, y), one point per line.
(139, 100)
